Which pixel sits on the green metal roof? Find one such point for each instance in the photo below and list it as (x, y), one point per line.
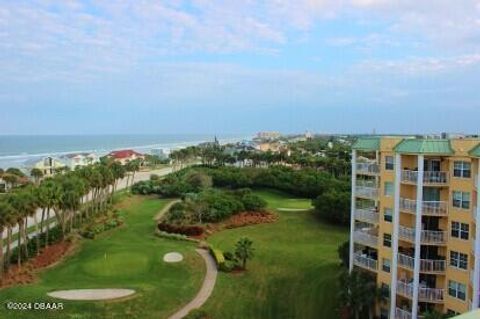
(475, 151)
(424, 146)
(367, 144)
(469, 315)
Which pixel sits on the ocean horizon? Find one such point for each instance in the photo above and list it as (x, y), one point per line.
(15, 150)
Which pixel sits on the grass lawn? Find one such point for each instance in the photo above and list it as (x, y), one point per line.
(293, 274)
(128, 257)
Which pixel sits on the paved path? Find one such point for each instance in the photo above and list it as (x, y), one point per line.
(205, 291)
(165, 209)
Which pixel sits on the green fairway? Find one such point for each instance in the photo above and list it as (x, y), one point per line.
(294, 271)
(128, 257)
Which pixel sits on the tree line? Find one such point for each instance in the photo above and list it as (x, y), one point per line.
(67, 199)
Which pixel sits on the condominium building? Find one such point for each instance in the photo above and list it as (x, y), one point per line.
(415, 222)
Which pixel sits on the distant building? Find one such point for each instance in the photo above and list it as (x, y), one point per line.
(4, 187)
(159, 152)
(79, 159)
(268, 135)
(125, 156)
(48, 165)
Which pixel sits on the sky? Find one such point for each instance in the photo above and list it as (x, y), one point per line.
(229, 66)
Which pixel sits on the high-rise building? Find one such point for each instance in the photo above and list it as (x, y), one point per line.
(415, 222)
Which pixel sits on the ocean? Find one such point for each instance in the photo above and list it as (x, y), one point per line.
(15, 150)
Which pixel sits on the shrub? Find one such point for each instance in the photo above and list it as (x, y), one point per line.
(217, 255)
(181, 229)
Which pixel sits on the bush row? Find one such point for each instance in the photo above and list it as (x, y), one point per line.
(187, 230)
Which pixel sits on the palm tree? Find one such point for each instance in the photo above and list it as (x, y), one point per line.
(5, 212)
(52, 197)
(356, 292)
(37, 174)
(244, 250)
(23, 204)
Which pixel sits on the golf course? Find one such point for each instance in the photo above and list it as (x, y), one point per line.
(293, 273)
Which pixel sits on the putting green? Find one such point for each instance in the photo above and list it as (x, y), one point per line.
(117, 264)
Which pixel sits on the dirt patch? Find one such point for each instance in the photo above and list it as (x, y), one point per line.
(26, 273)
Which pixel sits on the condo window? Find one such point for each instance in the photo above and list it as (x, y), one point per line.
(386, 265)
(460, 230)
(458, 260)
(461, 199)
(389, 163)
(388, 189)
(385, 290)
(456, 290)
(387, 240)
(387, 214)
(462, 169)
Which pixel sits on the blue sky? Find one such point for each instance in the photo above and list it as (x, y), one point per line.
(205, 66)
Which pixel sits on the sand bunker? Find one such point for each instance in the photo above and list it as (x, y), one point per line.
(173, 257)
(91, 294)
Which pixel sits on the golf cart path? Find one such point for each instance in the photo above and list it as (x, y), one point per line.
(205, 291)
(165, 209)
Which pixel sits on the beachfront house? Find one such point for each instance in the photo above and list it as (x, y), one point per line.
(48, 165)
(79, 159)
(125, 156)
(4, 187)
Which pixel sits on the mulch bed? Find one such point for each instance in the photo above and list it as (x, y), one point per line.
(25, 274)
(239, 220)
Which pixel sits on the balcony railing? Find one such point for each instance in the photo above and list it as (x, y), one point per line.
(368, 215)
(404, 314)
(367, 168)
(429, 177)
(426, 265)
(435, 237)
(365, 238)
(365, 261)
(366, 192)
(371, 183)
(435, 208)
(424, 294)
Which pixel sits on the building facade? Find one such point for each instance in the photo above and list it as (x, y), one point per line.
(48, 165)
(415, 224)
(126, 156)
(79, 159)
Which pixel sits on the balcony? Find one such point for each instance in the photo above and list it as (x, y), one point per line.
(428, 237)
(364, 261)
(430, 178)
(366, 237)
(368, 215)
(425, 294)
(366, 192)
(368, 168)
(432, 208)
(404, 314)
(426, 265)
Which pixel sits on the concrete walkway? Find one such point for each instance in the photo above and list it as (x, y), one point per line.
(165, 209)
(205, 291)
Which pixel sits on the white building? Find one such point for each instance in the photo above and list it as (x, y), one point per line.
(79, 159)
